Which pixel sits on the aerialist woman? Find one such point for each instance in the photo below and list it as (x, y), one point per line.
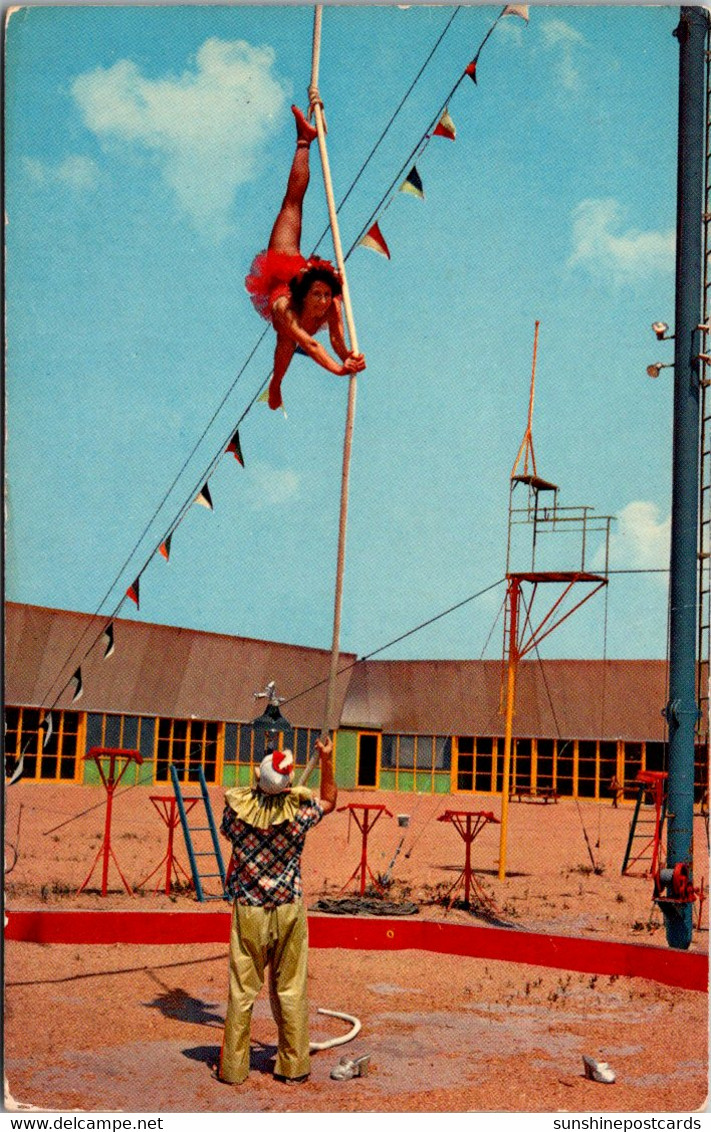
(296, 295)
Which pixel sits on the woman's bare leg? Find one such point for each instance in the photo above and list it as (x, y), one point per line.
(286, 233)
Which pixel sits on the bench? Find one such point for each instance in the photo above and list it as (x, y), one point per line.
(542, 795)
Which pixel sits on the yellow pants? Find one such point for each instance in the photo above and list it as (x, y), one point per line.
(278, 937)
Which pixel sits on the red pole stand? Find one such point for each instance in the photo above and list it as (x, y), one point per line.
(364, 825)
(121, 758)
(468, 824)
(167, 807)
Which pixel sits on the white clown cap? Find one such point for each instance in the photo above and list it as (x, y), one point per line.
(276, 771)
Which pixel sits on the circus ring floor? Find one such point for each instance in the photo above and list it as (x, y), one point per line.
(456, 1017)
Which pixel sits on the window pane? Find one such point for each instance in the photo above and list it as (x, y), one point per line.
(564, 767)
(245, 743)
(146, 738)
(424, 752)
(129, 739)
(301, 746)
(521, 777)
(655, 756)
(230, 748)
(93, 731)
(67, 767)
(48, 766)
(608, 769)
(633, 761)
(406, 754)
(587, 753)
(387, 751)
(544, 771)
(112, 732)
(443, 752)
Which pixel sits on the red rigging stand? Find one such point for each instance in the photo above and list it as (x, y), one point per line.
(119, 760)
(365, 824)
(167, 807)
(468, 824)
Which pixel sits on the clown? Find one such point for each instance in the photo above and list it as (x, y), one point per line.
(298, 296)
(267, 825)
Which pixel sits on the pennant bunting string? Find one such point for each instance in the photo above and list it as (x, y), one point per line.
(108, 638)
(235, 448)
(204, 498)
(46, 726)
(374, 239)
(413, 184)
(77, 684)
(470, 71)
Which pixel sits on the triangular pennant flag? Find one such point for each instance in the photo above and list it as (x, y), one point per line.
(108, 638)
(374, 239)
(470, 70)
(516, 10)
(47, 726)
(445, 128)
(17, 772)
(235, 447)
(265, 398)
(76, 683)
(204, 498)
(164, 547)
(133, 591)
(413, 184)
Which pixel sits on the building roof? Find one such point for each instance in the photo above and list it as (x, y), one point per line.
(577, 699)
(161, 670)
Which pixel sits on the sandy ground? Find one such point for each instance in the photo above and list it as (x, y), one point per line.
(137, 1028)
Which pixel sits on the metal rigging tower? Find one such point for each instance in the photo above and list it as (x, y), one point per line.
(540, 512)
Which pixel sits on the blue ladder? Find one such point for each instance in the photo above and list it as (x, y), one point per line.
(214, 853)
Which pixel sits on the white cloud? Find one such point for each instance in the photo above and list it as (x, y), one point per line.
(205, 127)
(605, 250)
(77, 172)
(640, 539)
(272, 486)
(556, 31)
(559, 36)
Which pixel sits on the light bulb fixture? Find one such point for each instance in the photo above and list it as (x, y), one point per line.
(655, 369)
(660, 329)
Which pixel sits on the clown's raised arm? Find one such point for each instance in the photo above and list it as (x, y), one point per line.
(328, 791)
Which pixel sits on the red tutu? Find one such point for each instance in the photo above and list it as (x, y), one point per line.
(270, 274)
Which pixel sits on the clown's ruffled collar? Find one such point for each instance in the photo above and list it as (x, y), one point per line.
(264, 810)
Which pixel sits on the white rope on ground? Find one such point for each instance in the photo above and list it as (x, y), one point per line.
(342, 1038)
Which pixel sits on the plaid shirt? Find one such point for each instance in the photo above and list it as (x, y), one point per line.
(267, 861)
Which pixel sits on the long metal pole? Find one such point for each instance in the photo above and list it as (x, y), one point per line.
(329, 720)
(682, 710)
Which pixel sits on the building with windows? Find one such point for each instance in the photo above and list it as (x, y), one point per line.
(185, 697)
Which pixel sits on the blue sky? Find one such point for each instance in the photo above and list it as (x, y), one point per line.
(146, 154)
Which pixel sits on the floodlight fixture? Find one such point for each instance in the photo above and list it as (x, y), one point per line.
(655, 369)
(660, 329)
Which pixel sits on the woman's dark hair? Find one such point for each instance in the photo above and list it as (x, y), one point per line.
(317, 273)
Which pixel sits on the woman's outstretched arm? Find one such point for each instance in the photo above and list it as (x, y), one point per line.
(287, 327)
